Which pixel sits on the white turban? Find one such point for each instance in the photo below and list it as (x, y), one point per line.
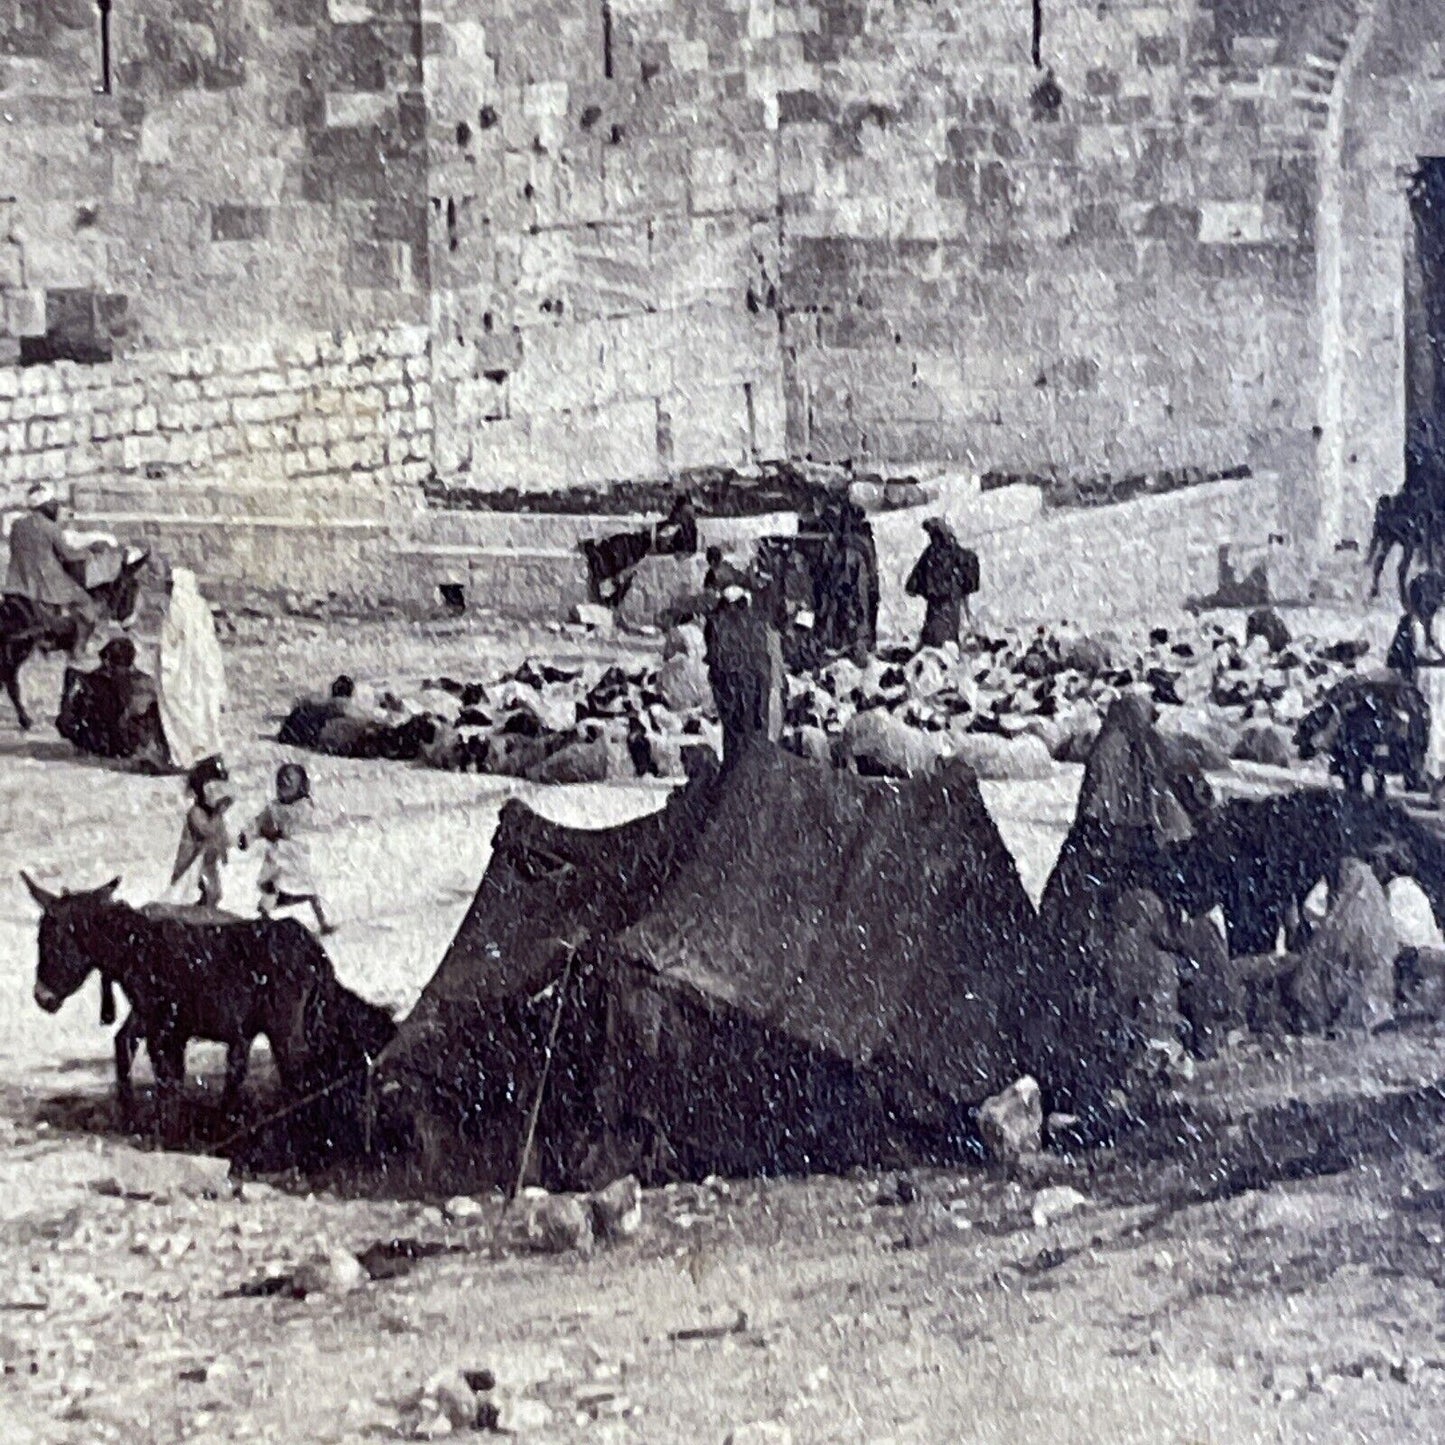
(40, 495)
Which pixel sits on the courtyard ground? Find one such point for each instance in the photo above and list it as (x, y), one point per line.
(1273, 1272)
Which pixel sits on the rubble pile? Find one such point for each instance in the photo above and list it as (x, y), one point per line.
(1011, 705)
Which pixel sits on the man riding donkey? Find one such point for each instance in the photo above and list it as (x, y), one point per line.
(49, 603)
(41, 559)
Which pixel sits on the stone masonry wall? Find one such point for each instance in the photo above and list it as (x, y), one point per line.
(604, 237)
(622, 238)
(1125, 281)
(261, 424)
(258, 167)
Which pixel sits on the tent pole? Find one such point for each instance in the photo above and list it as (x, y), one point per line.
(542, 1082)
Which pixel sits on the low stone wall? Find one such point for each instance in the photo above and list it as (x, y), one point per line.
(1098, 567)
(292, 412)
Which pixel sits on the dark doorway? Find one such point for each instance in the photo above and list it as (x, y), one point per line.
(1425, 313)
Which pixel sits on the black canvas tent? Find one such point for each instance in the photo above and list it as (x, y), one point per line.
(787, 967)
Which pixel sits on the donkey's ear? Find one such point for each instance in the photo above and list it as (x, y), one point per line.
(107, 890)
(43, 897)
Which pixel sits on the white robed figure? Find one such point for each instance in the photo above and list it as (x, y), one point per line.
(192, 678)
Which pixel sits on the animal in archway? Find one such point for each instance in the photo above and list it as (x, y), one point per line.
(21, 635)
(1402, 519)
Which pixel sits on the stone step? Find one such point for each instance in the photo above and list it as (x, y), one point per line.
(521, 582)
(437, 527)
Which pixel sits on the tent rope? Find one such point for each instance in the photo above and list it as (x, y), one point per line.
(536, 1109)
(226, 1143)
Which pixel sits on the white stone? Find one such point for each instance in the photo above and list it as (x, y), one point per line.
(1414, 919)
(617, 1209)
(462, 1208)
(336, 1272)
(1056, 1202)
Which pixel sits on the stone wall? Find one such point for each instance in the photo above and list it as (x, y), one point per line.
(604, 237)
(264, 422)
(1124, 281)
(258, 167)
(622, 238)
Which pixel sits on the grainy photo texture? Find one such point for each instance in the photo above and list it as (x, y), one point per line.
(723, 721)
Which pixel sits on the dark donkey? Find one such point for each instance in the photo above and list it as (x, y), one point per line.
(20, 634)
(215, 978)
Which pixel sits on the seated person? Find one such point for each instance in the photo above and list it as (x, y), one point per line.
(309, 717)
(114, 710)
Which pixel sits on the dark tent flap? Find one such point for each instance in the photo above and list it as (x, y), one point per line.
(881, 923)
(547, 888)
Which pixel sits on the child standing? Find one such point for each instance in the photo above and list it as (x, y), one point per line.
(205, 844)
(286, 877)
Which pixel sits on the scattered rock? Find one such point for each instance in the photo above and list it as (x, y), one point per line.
(594, 618)
(901, 1191)
(517, 1414)
(1267, 743)
(1012, 1122)
(617, 1210)
(760, 1432)
(463, 1209)
(562, 1224)
(877, 744)
(586, 761)
(1413, 917)
(1420, 983)
(1056, 1203)
(159, 1176)
(814, 744)
(454, 1398)
(1266, 623)
(998, 759)
(337, 1272)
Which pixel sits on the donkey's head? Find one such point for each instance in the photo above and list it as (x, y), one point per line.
(76, 937)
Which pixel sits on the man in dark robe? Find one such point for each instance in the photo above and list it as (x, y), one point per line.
(46, 571)
(845, 577)
(945, 576)
(744, 664)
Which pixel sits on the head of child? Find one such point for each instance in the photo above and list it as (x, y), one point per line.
(292, 784)
(1422, 597)
(206, 783)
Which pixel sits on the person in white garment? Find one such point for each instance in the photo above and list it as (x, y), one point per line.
(191, 676)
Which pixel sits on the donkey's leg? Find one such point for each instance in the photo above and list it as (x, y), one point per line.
(238, 1058)
(168, 1063)
(10, 674)
(127, 1040)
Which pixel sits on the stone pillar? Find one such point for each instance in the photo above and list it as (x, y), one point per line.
(1322, 524)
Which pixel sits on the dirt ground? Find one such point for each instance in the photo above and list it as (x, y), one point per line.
(1272, 1272)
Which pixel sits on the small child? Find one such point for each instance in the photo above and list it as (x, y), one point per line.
(286, 877)
(204, 840)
